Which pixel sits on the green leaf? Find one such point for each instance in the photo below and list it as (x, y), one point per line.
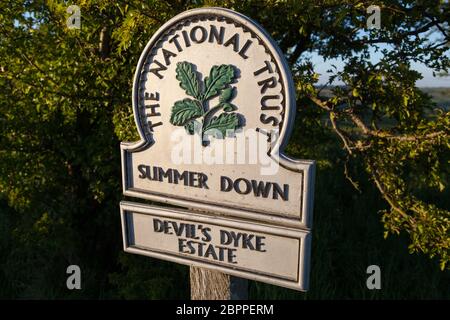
(188, 79)
(185, 110)
(192, 126)
(222, 123)
(219, 78)
(226, 95)
(227, 107)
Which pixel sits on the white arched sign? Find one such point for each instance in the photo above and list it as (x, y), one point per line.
(214, 104)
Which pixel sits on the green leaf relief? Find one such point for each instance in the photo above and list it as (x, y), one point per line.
(219, 78)
(188, 79)
(228, 107)
(185, 110)
(192, 126)
(226, 95)
(222, 123)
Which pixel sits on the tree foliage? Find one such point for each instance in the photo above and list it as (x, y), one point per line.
(65, 103)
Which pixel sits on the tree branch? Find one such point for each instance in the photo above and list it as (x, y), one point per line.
(396, 38)
(384, 135)
(391, 202)
(339, 132)
(366, 130)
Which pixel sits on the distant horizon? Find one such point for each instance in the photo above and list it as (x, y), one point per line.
(428, 80)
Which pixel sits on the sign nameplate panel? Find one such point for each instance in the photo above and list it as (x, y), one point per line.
(255, 251)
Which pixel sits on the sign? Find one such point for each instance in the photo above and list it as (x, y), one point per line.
(214, 104)
(250, 250)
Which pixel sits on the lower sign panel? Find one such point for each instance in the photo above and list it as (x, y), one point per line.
(261, 252)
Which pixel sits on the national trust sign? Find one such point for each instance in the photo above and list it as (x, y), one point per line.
(214, 104)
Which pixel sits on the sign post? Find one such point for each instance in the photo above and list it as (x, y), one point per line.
(214, 104)
(208, 284)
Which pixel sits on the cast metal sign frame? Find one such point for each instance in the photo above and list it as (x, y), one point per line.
(127, 209)
(222, 212)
